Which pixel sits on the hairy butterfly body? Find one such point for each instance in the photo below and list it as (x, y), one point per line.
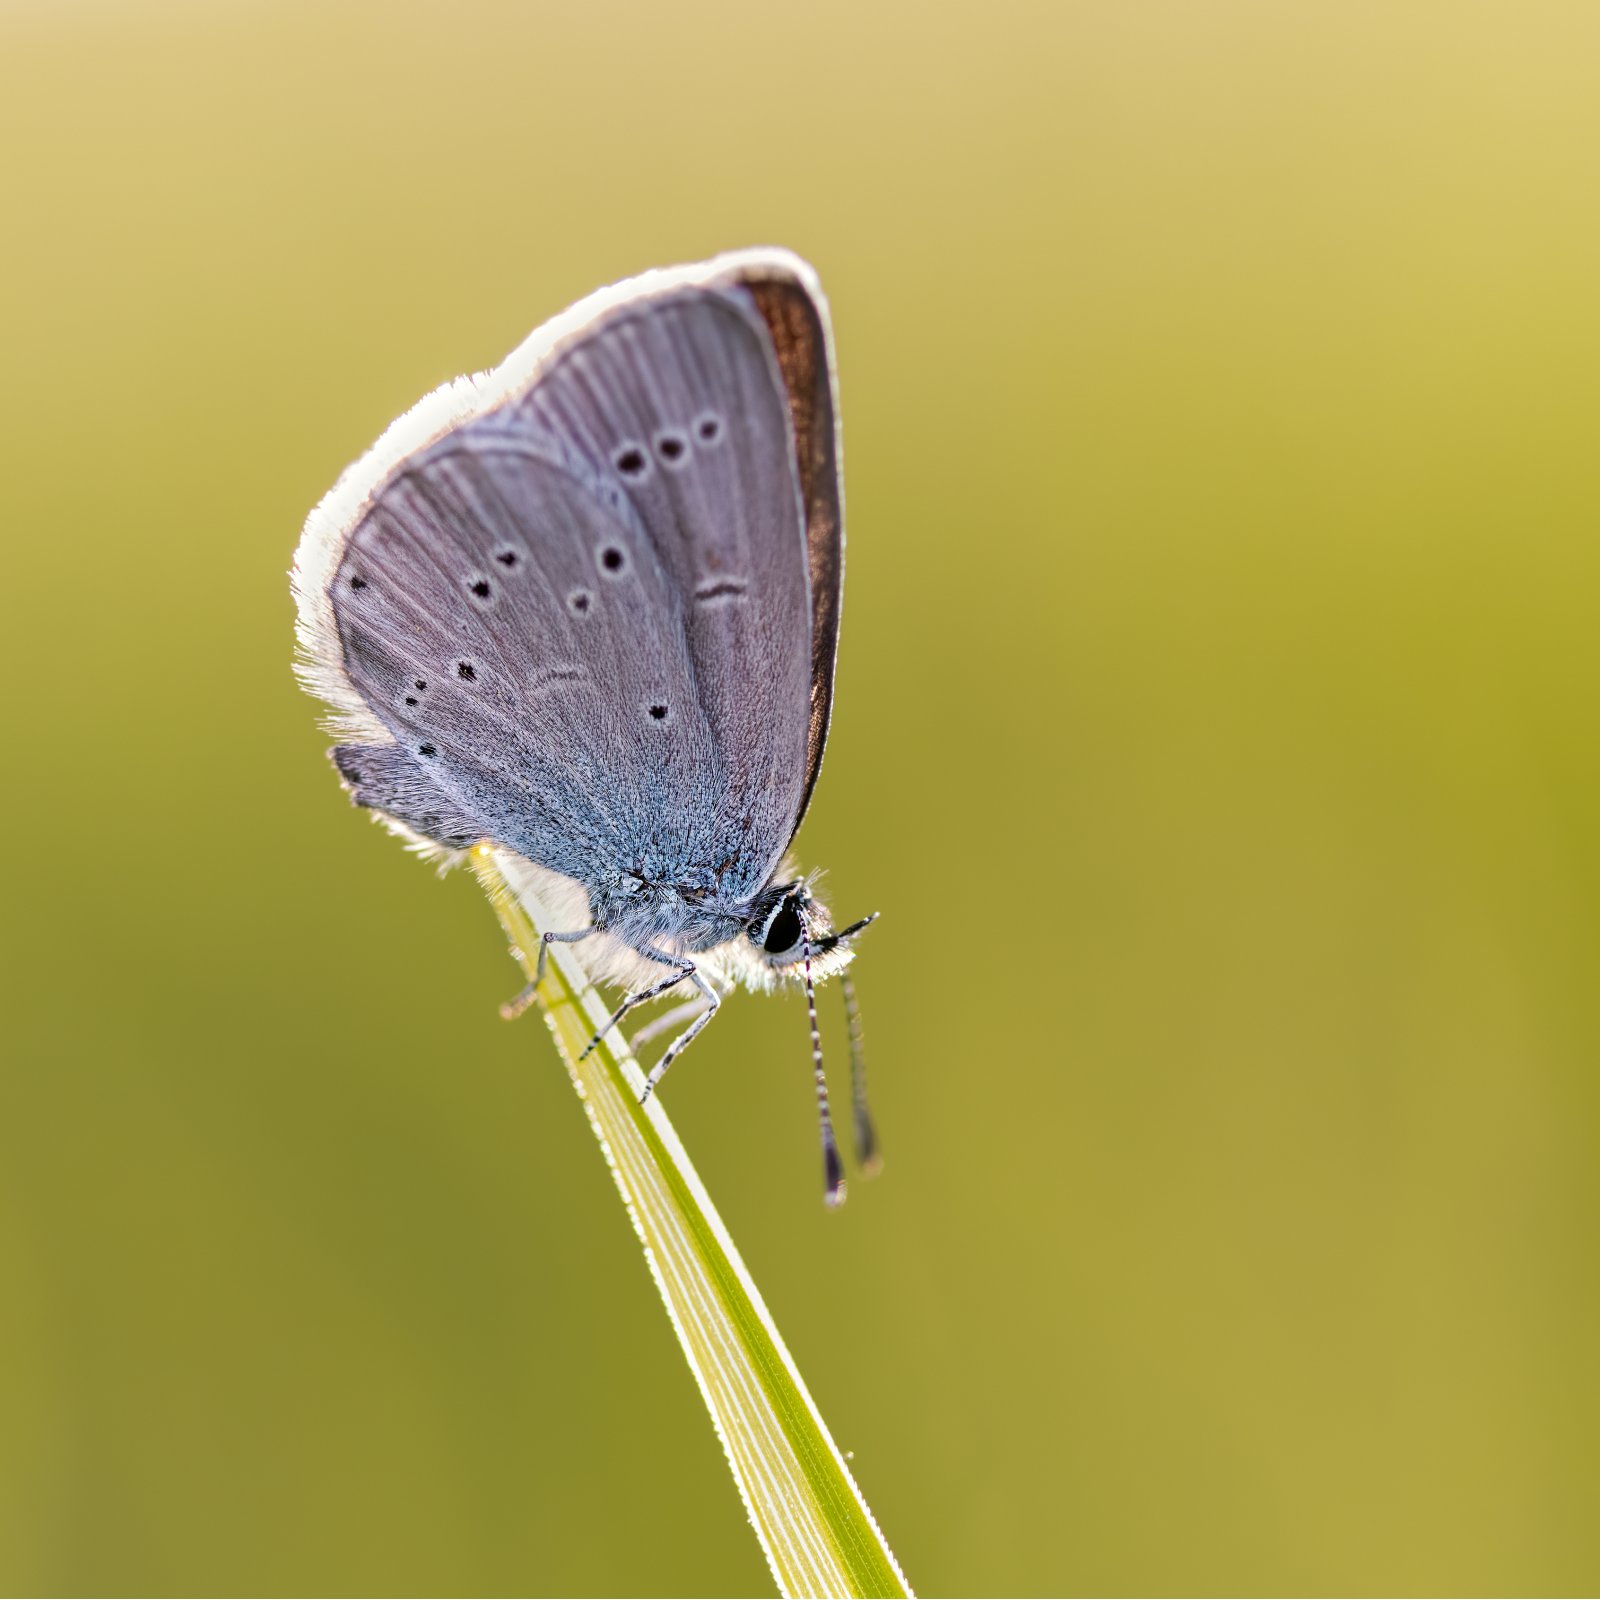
(586, 607)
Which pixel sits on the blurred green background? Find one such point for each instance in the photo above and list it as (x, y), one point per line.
(1216, 733)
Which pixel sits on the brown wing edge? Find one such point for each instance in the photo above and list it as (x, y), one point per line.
(797, 321)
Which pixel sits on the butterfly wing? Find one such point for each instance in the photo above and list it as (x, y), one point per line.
(796, 317)
(594, 618)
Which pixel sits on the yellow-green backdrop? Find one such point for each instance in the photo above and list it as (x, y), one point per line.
(1216, 733)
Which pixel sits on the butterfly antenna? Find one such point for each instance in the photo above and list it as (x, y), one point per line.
(832, 1167)
(867, 1156)
(821, 946)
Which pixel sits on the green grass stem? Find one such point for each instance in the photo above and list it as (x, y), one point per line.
(814, 1528)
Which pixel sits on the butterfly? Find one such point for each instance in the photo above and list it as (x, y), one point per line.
(585, 607)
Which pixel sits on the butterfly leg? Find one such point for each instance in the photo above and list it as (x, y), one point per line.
(514, 1007)
(681, 1043)
(686, 969)
(667, 1021)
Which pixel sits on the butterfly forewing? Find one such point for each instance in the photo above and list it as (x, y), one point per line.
(797, 325)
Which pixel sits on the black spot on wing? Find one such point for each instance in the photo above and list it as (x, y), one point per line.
(672, 448)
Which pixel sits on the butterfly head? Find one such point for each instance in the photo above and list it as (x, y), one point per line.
(793, 934)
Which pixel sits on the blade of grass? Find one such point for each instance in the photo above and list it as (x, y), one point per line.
(815, 1530)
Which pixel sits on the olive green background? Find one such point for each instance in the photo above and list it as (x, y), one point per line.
(1216, 732)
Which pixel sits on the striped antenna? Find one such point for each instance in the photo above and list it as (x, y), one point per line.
(830, 940)
(867, 1156)
(832, 1167)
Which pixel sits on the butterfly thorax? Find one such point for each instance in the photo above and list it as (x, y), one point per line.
(681, 917)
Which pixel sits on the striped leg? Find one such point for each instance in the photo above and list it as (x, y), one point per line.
(681, 1043)
(666, 1022)
(686, 969)
(514, 1008)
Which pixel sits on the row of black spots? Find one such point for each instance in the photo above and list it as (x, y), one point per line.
(419, 687)
(658, 711)
(612, 560)
(480, 585)
(466, 671)
(579, 601)
(670, 446)
(477, 585)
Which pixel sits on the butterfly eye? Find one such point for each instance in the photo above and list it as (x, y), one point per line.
(784, 931)
(783, 925)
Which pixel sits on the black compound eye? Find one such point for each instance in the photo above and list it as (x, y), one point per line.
(785, 929)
